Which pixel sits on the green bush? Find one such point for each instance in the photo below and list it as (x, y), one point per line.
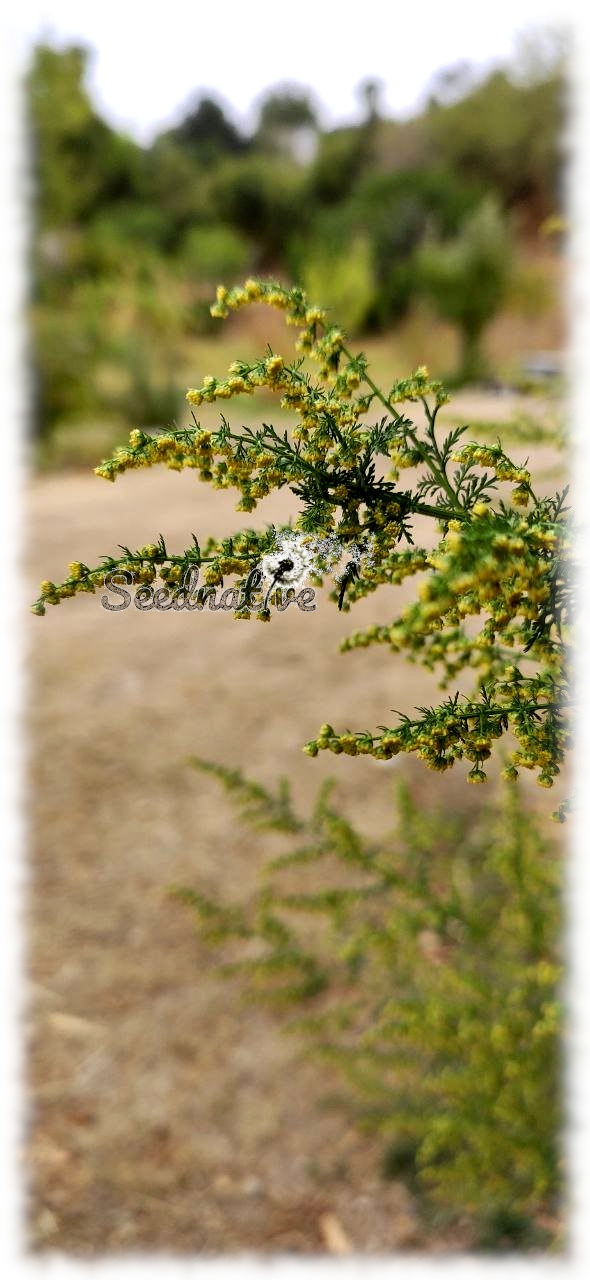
(148, 391)
(392, 212)
(109, 244)
(177, 187)
(345, 280)
(110, 351)
(262, 197)
(205, 200)
(65, 356)
(400, 209)
(433, 982)
(212, 250)
(339, 161)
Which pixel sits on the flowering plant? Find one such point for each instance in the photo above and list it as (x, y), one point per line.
(505, 559)
(429, 984)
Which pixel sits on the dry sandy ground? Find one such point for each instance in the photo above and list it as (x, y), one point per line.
(165, 1115)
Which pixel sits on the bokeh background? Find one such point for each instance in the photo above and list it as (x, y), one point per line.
(434, 236)
(163, 1114)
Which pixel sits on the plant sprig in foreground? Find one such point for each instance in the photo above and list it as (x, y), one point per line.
(501, 558)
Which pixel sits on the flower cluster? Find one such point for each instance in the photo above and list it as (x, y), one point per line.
(505, 561)
(493, 456)
(530, 707)
(417, 386)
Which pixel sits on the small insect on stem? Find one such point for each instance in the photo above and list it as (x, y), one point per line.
(284, 567)
(351, 572)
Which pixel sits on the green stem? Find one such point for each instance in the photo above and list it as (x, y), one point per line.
(426, 458)
(436, 471)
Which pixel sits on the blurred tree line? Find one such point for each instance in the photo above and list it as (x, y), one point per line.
(129, 242)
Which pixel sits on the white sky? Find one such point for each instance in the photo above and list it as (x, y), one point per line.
(148, 61)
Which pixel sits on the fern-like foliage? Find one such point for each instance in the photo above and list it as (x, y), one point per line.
(431, 984)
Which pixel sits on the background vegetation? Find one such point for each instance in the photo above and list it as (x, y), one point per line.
(380, 220)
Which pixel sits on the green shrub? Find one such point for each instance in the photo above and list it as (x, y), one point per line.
(433, 982)
(262, 197)
(65, 355)
(211, 251)
(392, 212)
(345, 280)
(398, 210)
(336, 168)
(112, 244)
(148, 390)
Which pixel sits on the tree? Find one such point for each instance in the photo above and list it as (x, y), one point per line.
(286, 108)
(468, 278)
(370, 92)
(207, 132)
(451, 83)
(79, 161)
(506, 134)
(288, 122)
(396, 210)
(337, 166)
(173, 184)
